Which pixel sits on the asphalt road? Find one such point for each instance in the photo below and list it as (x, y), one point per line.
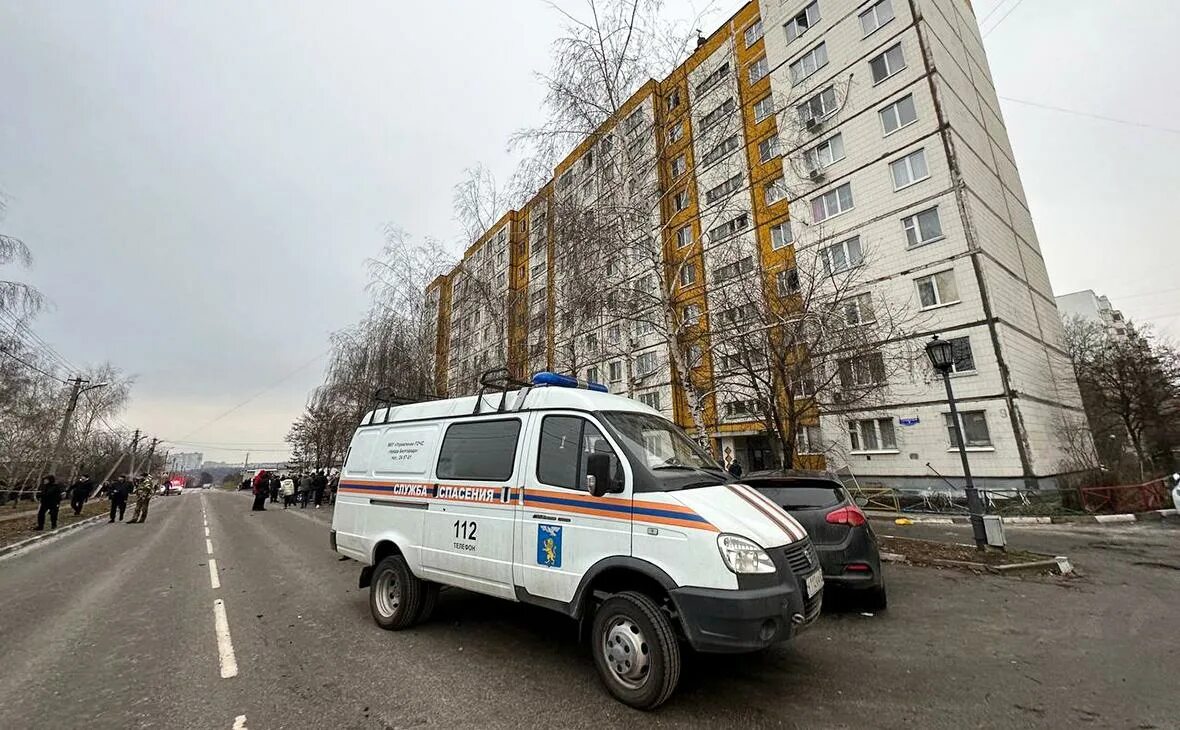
(113, 626)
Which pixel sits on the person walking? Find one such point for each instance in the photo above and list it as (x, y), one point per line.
(261, 491)
(80, 492)
(49, 496)
(319, 483)
(144, 489)
(274, 485)
(735, 469)
(333, 487)
(288, 485)
(117, 492)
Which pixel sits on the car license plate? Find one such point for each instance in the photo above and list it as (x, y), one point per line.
(815, 582)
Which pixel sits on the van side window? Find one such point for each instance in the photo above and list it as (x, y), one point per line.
(481, 451)
(565, 443)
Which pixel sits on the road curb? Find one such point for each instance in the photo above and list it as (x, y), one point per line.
(1151, 516)
(7, 549)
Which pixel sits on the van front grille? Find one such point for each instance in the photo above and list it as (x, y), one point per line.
(801, 557)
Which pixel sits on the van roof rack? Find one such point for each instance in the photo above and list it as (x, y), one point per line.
(498, 379)
(386, 398)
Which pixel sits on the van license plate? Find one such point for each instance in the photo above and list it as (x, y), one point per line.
(815, 582)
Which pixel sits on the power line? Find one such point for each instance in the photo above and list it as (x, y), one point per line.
(991, 12)
(1063, 110)
(281, 380)
(1002, 17)
(35, 340)
(31, 366)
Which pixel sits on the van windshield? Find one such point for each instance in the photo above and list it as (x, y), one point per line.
(673, 459)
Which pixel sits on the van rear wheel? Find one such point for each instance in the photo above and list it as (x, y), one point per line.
(395, 594)
(635, 650)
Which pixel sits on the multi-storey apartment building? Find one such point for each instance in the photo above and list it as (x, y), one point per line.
(821, 128)
(1093, 308)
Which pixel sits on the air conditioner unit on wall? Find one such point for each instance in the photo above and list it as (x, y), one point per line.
(816, 174)
(813, 123)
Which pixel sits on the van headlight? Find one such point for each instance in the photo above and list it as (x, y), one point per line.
(743, 556)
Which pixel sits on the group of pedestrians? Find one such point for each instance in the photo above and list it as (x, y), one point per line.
(300, 488)
(51, 493)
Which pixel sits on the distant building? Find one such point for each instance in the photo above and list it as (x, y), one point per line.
(185, 462)
(1093, 308)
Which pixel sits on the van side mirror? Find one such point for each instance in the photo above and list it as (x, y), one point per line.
(598, 474)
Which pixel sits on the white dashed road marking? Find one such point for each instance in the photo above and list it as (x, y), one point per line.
(213, 578)
(209, 546)
(225, 647)
(240, 723)
(206, 530)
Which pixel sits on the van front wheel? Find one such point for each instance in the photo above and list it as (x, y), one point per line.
(635, 650)
(395, 595)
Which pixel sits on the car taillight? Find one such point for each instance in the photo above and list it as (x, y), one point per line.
(850, 515)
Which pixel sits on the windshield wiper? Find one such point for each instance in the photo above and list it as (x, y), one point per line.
(675, 466)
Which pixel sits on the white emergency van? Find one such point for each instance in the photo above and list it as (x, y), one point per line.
(558, 494)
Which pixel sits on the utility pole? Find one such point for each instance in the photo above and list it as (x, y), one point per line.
(134, 448)
(118, 461)
(75, 393)
(151, 452)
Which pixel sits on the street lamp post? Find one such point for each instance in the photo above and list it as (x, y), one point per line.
(75, 393)
(942, 357)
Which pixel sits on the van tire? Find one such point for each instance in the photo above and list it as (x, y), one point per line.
(429, 601)
(629, 617)
(395, 595)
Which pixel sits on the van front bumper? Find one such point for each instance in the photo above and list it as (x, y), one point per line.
(733, 621)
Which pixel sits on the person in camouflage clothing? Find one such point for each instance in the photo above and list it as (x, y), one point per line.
(145, 487)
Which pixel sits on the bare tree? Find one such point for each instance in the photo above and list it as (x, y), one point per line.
(16, 297)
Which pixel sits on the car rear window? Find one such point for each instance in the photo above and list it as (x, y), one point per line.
(801, 494)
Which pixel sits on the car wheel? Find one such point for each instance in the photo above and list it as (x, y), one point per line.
(395, 595)
(635, 650)
(429, 601)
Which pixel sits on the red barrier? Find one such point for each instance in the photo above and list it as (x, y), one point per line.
(1144, 497)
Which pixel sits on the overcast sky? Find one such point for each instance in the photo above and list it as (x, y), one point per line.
(201, 182)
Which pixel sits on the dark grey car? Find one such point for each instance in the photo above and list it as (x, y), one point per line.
(843, 538)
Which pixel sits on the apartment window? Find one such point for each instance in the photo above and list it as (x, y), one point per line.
(592, 342)
(722, 149)
(775, 190)
(592, 375)
(809, 440)
(613, 268)
(730, 186)
(693, 355)
(738, 314)
(680, 200)
(758, 69)
(688, 274)
(616, 371)
(964, 359)
(858, 310)
(651, 400)
(768, 149)
(566, 179)
(538, 296)
(631, 125)
(827, 152)
(713, 78)
(614, 333)
(644, 327)
(691, 314)
(876, 16)
(909, 169)
(763, 108)
(809, 63)
(975, 431)
(737, 268)
(740, 408)
(887, 64)
(724, 108)
(781, 235)
(500, 258)
(588, 160)
(818, 106)
(899, 114)
(872, 434)
(938, 289)
(729, 228)
(787, 282)
(676, 132)
(754, 32)
(831, 203)
(799, 24)
(683, 237)
(922, 228)
(679, 165)
(842, 256)
(673, 99)
(645, 364)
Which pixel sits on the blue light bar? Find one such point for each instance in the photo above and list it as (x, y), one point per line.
(565, 381)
